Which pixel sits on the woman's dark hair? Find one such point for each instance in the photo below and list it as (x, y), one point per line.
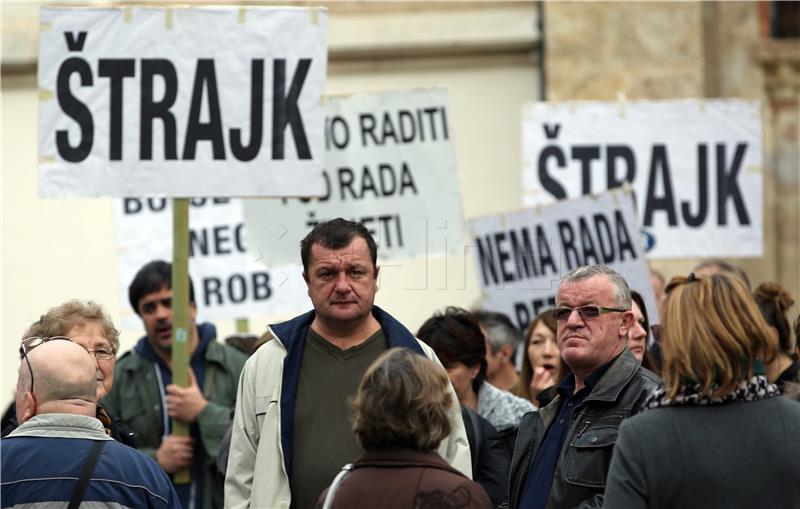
(456, 336)
(403, 401)
(773, 301)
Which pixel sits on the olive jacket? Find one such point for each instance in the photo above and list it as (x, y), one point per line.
(135, 398)
(580, 475)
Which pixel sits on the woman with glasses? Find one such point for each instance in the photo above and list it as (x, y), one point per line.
(87, 324)
(717, 435)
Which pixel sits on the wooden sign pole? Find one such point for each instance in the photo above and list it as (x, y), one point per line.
(180, 311)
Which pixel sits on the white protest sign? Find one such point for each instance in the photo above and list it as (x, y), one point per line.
(227, 283)
(695, 167)
(194, 101)
(389, 164)
(521, 256)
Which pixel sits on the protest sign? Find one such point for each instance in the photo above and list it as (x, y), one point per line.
(390, 164)
(695, 167)
(184, 102)
(521, 256)
(228, 283)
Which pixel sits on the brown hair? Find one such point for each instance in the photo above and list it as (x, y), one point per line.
(456, 336)
(521, 388)
(773, 301)
(713, 334)
(403, 401)
(59, 320)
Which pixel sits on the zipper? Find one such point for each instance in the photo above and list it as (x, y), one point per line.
(585, 426)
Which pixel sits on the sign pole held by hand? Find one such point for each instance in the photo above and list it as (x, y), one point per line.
(180, 311)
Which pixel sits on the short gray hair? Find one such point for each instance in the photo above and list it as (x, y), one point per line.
(622, 292)
(500, 330)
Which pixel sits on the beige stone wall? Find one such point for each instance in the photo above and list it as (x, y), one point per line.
(660, 50)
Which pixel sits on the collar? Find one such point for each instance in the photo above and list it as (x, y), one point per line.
(291, 332)
(753, 389)
(402, 457)
(567, 386)
(61, 426)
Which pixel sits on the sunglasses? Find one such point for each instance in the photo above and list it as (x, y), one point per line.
(562, 314)
(29, 344)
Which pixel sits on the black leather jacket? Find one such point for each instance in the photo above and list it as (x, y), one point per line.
(580, 475)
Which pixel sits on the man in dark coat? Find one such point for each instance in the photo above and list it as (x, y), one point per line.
(562, 453)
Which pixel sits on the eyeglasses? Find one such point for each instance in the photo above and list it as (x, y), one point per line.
(586, 312)
(103, 354)
(29, 344)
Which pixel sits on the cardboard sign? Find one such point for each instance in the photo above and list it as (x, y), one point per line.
(228, 283)
(183, 102)
(695, 167)
(521, 256)
(389, 164)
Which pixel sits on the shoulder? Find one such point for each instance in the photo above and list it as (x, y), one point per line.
(226, 355)
(131, 360)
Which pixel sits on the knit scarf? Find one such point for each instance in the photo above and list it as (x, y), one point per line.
(757, 387)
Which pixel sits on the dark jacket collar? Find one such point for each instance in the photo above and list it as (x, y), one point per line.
(292, 334)
(402, 457)
(616, 377)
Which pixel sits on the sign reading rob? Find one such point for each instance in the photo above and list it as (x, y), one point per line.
(389, 164)
(156, 101)
(521, 256)
(694, 166)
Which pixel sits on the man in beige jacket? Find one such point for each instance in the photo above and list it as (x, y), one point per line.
(291, 431)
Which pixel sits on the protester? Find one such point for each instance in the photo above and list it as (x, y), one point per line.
(774, 301)
(46, 461)
(147, 400)
(291, 431)
(657, 282)
(639, 333)
(542, 367)
(401, 415)
(458, 341)
(716, 435)
(490, 456)
(87, 324)
(716, 266)
(502, 341)
(563, 451)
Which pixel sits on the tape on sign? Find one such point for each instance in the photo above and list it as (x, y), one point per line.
(314, 16)
(45, 27)
(622, 101)
(127, 14)
(242, 15)
(168, 17)
(45, 95)
(46, 159)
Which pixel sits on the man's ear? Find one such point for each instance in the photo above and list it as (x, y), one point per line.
(28, 407)
(377, 271)
(507, 351)
(627, 323)
(192, 312)
(305, 277)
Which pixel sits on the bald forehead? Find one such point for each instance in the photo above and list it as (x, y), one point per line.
(59, 354)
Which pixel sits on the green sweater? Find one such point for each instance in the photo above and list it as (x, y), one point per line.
(136, 400)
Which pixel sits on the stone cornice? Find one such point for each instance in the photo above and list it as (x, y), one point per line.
(781, 61)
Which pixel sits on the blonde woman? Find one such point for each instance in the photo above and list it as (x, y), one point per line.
(716, 435)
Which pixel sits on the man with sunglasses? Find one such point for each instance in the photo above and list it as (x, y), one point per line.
(563, 451)
(56, 406)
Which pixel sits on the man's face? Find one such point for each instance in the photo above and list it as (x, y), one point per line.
(586, 345)
(342, 282)
(155, 309)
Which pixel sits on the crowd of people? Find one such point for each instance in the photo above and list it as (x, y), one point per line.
(344, 407)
